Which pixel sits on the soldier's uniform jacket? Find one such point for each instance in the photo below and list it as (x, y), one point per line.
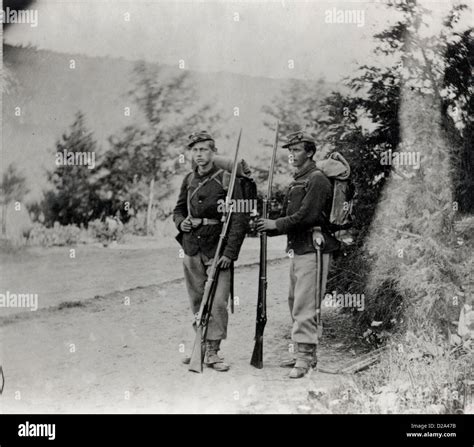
(204, 203)
(307, 204)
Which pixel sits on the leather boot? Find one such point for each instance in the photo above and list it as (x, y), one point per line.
(290, 363)
(211, 359)
(305, 359)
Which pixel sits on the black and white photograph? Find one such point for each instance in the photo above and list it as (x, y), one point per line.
(237, 207)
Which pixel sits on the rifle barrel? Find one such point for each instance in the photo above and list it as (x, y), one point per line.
(272, 163)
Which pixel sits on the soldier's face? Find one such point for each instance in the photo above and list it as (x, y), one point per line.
(202, 153)
(297, 155)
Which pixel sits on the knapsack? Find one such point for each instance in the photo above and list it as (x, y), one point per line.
(244, 177)
(336, 168)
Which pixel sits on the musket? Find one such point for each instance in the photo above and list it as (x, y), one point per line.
(261, 321)
(202, 320)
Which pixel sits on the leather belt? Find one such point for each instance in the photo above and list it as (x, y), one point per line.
(198, 221)
(206, 221)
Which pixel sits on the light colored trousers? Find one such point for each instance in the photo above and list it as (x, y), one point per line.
(302, 295)
(196, 270)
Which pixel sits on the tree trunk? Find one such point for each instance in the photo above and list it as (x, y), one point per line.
(4, 219)
(150, 206)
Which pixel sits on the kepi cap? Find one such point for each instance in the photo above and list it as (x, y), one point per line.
(298, 137)
(199, 136)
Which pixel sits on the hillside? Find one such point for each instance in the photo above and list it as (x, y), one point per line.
(50, 93)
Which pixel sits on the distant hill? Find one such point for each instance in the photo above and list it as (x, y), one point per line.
(49, 93)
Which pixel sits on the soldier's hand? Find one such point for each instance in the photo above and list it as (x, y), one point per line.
(186, 225)
(266, 225)
(225, 262)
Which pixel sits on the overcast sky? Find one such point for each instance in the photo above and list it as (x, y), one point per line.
(207, 36)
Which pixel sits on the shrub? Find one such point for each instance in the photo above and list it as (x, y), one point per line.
(110, 230)
(137, 224)
(58, 235)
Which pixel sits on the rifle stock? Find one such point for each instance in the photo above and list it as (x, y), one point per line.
(257, 355)
(197, 356)
(261, 320)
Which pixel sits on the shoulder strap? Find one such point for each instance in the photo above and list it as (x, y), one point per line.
(200, 185)
(188, 179)
(191, 194)
(215, 177)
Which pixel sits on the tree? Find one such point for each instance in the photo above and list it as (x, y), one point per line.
(411, 240)
(119, 179)
(458, 106)
(73, 198)
(12, 188)
(171, 111)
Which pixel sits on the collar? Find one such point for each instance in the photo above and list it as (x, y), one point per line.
(302, 172)
(208, 173)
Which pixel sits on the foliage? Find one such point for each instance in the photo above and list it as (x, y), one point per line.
(13, 186)
(389, 107)
(120, 185)
(412, 244)
(73, 198)
(58, 235)
(106, 231)
(139, 167)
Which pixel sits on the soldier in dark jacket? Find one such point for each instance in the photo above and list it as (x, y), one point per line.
(307, 204)
(198, 217)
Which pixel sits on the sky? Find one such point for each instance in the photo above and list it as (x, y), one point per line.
(254, 38)
(257, 38)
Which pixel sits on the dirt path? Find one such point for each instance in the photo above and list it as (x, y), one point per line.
(107, 356)
(97, 271)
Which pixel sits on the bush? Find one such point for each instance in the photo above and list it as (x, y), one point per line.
(110, 230)
(58, 235)
(136, 225)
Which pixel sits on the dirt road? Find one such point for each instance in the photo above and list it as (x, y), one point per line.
(56, 277)
(106, 356)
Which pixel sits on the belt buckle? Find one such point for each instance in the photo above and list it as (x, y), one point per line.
(196, 225)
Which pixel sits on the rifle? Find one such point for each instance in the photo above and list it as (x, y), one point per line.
(197, 356)
(261, 321)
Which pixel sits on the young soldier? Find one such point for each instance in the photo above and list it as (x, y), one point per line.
(307, 204)
(197, 216)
